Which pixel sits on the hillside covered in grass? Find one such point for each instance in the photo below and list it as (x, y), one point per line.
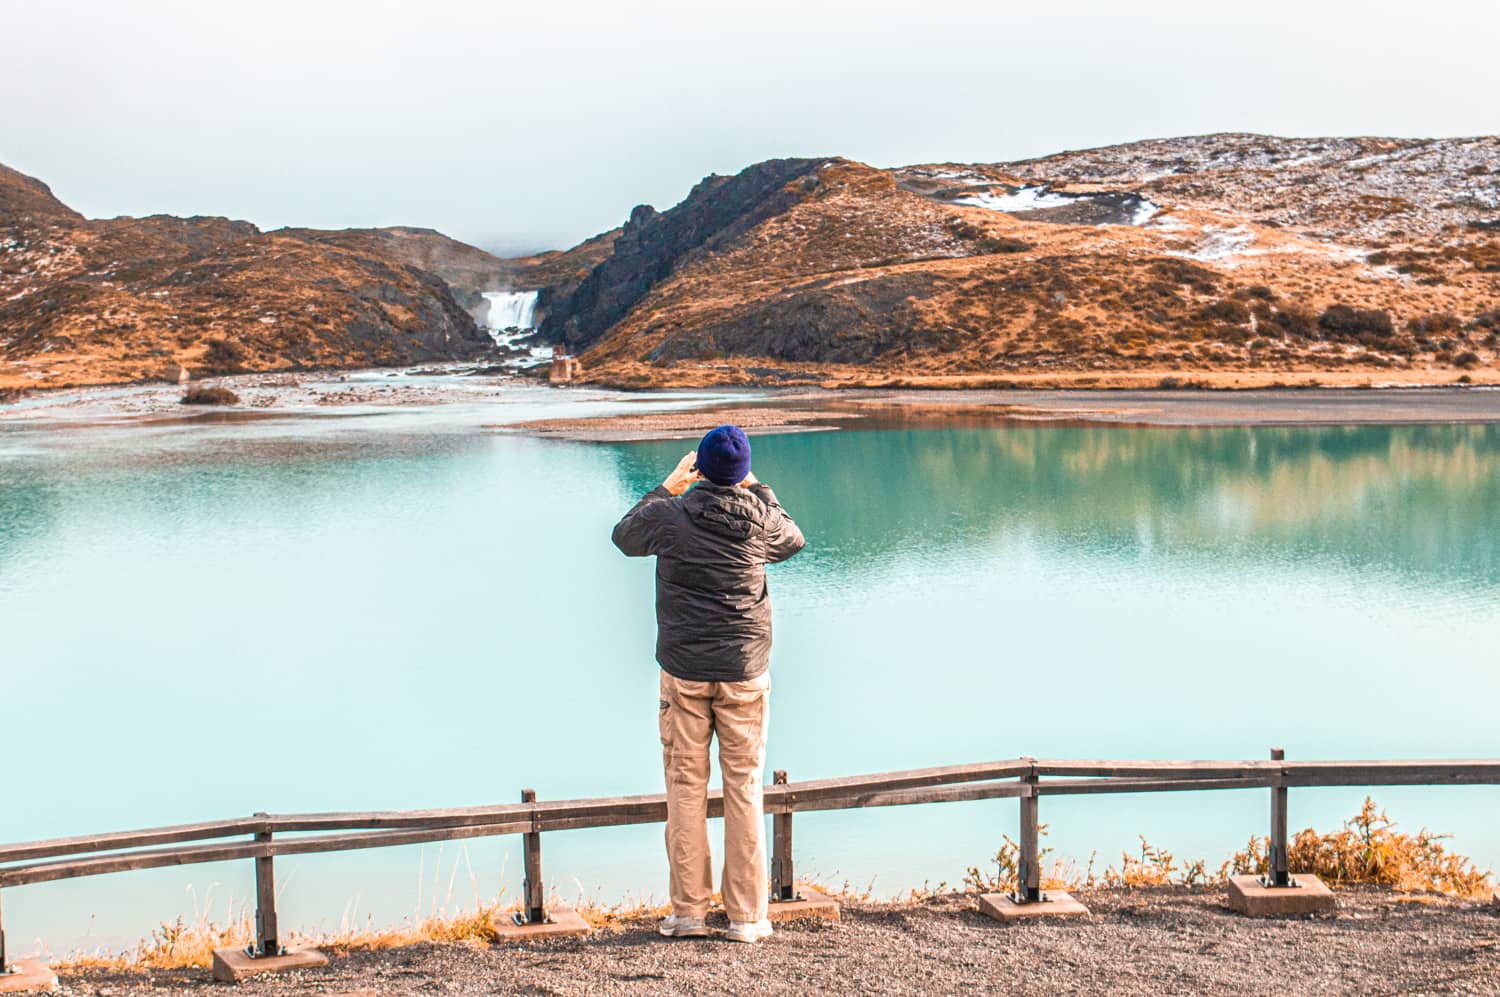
(1243, 255)
(123, 299)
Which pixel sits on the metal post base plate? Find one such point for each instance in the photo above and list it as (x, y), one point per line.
(562, 922)
(233, 965)
(1055, 903)
(808, 903)
(1308, 895)
(28, 975)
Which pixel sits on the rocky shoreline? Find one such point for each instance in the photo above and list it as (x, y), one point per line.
(666, 414)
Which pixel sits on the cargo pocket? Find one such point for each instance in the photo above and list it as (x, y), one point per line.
(664, 717)
(759, 716)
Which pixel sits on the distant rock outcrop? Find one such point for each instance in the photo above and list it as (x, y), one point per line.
(26, 201)
(718, 210)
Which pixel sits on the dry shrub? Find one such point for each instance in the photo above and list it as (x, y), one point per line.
(1435, 323)
(1227, 310)
(223, 356)
(1180, 271)
(1288, 321)
(1152, 867)
(1369, 849)
(1359, 324)
(210, 396)
(1061, 876)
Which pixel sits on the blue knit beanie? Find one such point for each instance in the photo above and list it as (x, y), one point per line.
(724, 455)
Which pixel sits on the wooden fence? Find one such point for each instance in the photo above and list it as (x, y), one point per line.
(263, 837)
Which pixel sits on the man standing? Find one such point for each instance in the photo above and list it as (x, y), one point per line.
(713, 642)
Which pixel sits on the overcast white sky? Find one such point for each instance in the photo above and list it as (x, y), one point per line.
(525, 126)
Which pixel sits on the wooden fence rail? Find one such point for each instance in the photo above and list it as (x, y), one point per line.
(266, 836)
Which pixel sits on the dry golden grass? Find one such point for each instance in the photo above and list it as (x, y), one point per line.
(189, 941)
(1370, 849)
(1367, 849)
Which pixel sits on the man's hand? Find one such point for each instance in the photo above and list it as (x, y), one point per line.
(684, 475)
(750, 479)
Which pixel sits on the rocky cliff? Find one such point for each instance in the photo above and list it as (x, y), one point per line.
(1165, 260)
(717, 212)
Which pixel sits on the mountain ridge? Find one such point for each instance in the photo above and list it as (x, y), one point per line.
(1220, 254)
(1231, 259)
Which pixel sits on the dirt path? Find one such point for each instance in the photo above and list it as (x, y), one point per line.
(1136, 942)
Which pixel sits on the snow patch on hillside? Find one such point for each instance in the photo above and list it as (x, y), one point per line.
(1032, 198)
(1041, 197)
(1218, 244)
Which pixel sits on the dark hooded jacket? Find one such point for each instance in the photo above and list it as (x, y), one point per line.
(712, 545)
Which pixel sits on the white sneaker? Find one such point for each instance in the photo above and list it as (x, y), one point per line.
(683, 927)
(749, 931)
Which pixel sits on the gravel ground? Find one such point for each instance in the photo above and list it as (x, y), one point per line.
(1139, 941)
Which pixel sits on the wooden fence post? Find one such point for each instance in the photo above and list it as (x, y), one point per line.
(1027, 900)
(783, 881)
(787, 903)
(1278, 872)
(4, 966)
(1278, 891)
(533, 892)
(1028, 858)
(533, 920)
(266, 954)
(266, 941)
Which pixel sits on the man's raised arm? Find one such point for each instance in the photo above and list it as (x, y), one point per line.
(636, 534)
(783, 537)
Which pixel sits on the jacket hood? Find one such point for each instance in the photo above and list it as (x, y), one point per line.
(728, 510)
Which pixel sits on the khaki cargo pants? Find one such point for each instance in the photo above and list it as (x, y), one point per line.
(691, 714)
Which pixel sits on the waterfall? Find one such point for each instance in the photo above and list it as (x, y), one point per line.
(511, 309)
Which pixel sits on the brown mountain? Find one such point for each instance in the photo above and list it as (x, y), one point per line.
(99, 301)
(1229, 258)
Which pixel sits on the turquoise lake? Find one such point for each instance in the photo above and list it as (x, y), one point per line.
(405, 608)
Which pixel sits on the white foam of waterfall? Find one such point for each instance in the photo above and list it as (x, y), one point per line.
(511, 309)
